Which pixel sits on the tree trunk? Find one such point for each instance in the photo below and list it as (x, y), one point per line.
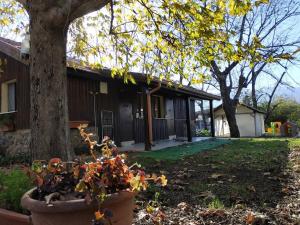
(231, 118)
(229, 107)
(50, 133)
(253, 92)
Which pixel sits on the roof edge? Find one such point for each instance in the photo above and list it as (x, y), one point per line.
(14, 52)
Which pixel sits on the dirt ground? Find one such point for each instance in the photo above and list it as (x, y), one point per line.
(248, 181)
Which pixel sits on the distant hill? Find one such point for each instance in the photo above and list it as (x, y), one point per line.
(290, 93)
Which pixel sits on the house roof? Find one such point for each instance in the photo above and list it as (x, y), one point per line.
(241, 104)
(12, 49)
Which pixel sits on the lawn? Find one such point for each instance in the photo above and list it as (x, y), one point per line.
(178, 152)
(252, 174)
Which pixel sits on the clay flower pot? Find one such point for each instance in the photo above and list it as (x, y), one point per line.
(8, 217)
(77, 212)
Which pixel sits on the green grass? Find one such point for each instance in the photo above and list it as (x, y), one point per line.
(13, 185)
(216, 204)
(179, 152)
(257, 153)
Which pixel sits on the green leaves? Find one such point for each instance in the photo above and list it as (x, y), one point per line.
(165, 39)
(239, 7)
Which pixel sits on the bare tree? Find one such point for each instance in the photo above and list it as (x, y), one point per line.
(261, 27)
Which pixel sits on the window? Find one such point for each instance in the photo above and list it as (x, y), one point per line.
(103, 88)
(139, 114)
(158, 106)
(8, 96)
(11, 97)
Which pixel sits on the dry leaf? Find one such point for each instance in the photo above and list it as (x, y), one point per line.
(250, 218)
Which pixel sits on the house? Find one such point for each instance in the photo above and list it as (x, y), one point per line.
(128, 113)
(249, 120)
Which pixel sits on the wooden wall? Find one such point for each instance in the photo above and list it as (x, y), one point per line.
(180, 117)
(13, 69)
(81, 103)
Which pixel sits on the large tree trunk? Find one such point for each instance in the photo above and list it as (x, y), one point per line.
(229, 110)
(229, 107)
(50, 133)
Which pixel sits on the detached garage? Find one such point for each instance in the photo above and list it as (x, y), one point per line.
(249, 120)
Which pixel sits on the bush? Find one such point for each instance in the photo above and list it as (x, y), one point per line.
(21, 158)
(216, 204)
(12, 186)
(203, 133)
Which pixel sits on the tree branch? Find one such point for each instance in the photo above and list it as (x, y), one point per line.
(83, 7)
(24, 3)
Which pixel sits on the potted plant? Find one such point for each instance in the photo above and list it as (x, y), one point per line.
(100, 191)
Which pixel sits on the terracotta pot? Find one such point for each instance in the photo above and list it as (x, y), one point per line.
(12, 218)
(77, 212)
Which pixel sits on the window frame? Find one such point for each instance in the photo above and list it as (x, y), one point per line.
(5, 95)
(158, 107)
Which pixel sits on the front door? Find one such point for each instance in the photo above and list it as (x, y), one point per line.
(126, 120)
(170, 116)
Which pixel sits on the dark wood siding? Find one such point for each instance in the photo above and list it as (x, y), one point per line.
(160, 129)
(9, 67)
(180, 117)
(170, 116)
(81, 102)
(193, 117)
(13, 69)
(139, 130)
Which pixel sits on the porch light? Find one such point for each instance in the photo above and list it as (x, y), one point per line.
(25, 46)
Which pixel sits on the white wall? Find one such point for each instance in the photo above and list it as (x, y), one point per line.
(246, 124)
(250, 124)
(221, 127)
(260, 124)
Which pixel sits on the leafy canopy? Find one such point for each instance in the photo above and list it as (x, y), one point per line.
(162, 38)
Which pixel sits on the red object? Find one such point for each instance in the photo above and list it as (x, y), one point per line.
(12, 218)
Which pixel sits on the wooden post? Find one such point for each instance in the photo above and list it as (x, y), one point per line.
(148, 118)
(212, 119)
(188, 119)
(146, 121)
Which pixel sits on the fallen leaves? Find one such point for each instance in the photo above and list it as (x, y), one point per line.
(250, 218)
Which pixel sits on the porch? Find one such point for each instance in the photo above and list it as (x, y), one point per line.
(161, 144)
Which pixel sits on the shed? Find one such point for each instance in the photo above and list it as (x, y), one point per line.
(249, 120)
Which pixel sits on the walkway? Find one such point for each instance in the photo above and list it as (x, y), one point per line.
(158, 145)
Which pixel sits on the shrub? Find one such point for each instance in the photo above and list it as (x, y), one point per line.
(203, 133)
(21, 158)
(12, 186)
(216, 204)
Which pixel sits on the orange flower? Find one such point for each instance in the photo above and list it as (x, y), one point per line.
(99, 215)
